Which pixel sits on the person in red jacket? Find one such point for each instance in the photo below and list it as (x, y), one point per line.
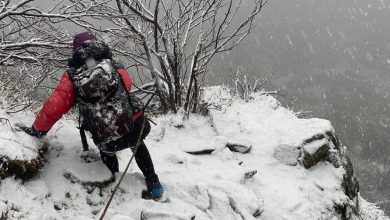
(64, 97)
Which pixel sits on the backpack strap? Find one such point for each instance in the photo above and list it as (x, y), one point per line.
(135, 103)
(131, 97)
(71, 71)
(84, 139)
(82, 134)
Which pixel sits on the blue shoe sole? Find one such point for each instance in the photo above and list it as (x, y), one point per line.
(154, 194)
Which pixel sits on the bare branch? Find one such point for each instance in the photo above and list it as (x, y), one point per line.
(169, 42)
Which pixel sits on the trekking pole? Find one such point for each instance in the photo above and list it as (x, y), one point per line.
(148, 102)
(124, 172)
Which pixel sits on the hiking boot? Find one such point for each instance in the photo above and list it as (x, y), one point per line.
(154, 189)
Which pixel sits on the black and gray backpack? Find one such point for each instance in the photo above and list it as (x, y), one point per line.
(102, 100)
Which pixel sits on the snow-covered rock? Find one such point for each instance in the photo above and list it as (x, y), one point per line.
(290, 168)
(20, 154)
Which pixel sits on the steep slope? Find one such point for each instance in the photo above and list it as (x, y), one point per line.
(245, 160)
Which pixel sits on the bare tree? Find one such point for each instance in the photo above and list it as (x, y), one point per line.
(34, 45)
(174, 41)
(33, 35)
(31, 50)
(183, 37)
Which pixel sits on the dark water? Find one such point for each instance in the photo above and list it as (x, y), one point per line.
(331, 58)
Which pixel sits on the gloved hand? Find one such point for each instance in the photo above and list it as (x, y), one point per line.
(32, 131)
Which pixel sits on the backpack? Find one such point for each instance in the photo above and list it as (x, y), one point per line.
(103, 102)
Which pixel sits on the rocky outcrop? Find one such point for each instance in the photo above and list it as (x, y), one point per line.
(325, 147)
(22, 169)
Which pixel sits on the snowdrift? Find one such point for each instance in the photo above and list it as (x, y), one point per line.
(245, 160)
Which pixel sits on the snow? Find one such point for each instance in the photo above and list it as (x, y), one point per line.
(370, 211)
(17, 145)
(313, 146)
(220, 185)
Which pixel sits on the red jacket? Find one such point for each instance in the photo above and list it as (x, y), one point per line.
(63, 99)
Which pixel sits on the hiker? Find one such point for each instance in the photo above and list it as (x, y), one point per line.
(100, 86)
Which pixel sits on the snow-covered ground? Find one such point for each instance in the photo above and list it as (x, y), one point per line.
(222, 185)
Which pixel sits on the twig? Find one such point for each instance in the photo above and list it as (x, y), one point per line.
(9, 123)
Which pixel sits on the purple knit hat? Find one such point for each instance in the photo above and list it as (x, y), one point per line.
(78, 39)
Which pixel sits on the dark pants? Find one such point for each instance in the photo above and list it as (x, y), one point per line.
(142, 157)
